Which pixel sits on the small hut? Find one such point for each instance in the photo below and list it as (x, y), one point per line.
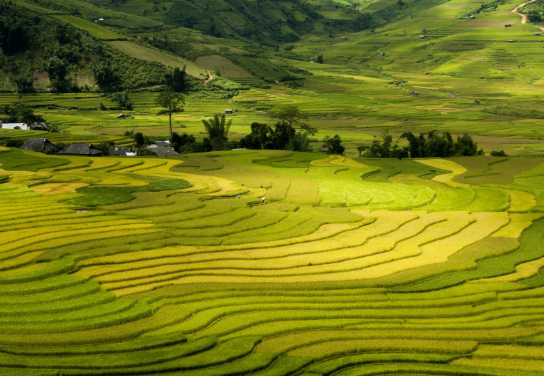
(508, 25)
(422, 37)
(427, 73)
(510, 41)
(40, 145)
(229, 111)
(414, 93)
(82, 149)
(537, 34)
(472, 17)
(476, 101)
(121, 116)
(382, 54)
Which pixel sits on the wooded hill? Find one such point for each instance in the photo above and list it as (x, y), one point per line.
(108, 46)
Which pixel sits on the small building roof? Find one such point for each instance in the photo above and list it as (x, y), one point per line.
(229, 111)
(537, 33)
(82, 149)
(159, 144)
(510, 40)
(121, 150)
(163, 151)
(39, 145)
(422, 37)
(121, 116)
(22, 126)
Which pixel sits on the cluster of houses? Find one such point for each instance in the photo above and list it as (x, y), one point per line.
(42, 145)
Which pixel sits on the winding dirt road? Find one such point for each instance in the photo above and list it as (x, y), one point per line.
(523, 16)
(210, 77)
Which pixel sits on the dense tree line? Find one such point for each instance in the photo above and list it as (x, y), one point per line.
(426, 145)
(263, 136)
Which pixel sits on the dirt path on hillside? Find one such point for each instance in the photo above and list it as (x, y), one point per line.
(210, 77)
(523, 16)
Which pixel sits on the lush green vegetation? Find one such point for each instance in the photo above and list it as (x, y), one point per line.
(382, 214)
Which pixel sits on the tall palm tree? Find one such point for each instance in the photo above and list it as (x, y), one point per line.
(218, 130)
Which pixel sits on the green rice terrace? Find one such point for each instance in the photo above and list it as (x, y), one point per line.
(258, 259)
(137, 266)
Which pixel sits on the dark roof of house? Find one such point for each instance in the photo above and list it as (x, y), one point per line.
(161, 144)
(163, 152)
(39, 145)
(82, 149)
(121, 150)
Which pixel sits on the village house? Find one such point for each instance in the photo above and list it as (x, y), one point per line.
(162, 148)
(40, 145)
(82, 149)
(123, 151)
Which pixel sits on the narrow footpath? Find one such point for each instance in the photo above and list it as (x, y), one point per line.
(210, 77)
(524, 16)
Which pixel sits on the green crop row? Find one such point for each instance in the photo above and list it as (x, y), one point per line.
(58, 294)
(137, 358)
(66, 305)
(184, 357)
(328, 367)
(107, 348)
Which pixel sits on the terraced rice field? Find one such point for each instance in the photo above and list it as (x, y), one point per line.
(141, 266)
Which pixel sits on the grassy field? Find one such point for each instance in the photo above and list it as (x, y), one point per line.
(148, 54)
(92, 28)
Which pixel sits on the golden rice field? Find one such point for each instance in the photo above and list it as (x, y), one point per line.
(145, 266)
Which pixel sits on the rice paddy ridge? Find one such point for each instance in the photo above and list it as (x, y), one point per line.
(206, 292)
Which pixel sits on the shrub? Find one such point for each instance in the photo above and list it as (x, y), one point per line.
(498, 153)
